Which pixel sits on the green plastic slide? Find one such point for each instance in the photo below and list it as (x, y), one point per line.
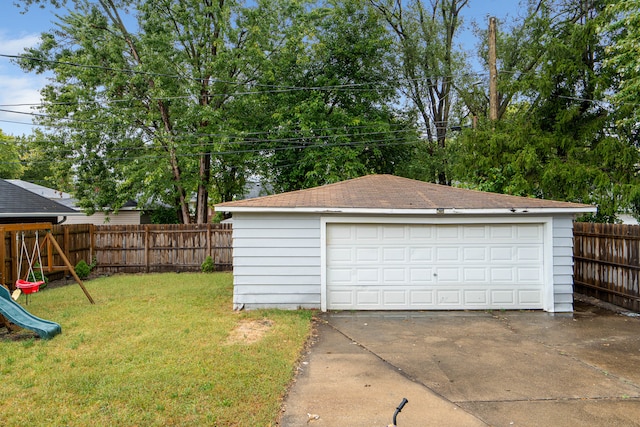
(21, 317)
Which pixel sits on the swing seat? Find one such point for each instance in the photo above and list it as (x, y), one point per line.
(28, 287)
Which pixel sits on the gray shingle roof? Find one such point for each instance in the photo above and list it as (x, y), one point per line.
(16, 202)
(388, 192)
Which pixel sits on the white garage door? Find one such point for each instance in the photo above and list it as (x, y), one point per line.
(434, 267)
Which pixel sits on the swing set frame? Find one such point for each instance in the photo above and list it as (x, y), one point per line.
(51, 244)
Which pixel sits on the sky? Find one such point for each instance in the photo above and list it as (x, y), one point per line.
(19, 31)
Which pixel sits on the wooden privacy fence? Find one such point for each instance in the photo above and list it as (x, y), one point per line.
(607, 262)
(161, 248)
(131, 248)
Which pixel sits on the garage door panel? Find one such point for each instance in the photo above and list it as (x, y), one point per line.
(394, 254)
(448, 254)
(396, 275)
(368, 254)
(395, 298)
(529, 275)
(446, 233)
(340, 276)
(475, 254)
(394, 233)
(368, 276)
(529, 297)
(476, 297)
(506, 298)
(421, 254)
(475, 275)
(422, 298)
(501, 253)
(448, 298)
(447, 275)
(421, 275)
(367, 233)
(368, 298)
(341, 255)
(381, 266)
(475, 232)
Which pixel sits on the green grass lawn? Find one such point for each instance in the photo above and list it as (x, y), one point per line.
(155, 350)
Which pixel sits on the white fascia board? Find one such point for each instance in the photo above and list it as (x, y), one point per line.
(382, 211)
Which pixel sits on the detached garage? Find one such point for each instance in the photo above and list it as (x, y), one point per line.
(382, 242)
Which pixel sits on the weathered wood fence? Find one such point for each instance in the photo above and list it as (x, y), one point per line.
(161, 248)
(607, 262)
(130, 248)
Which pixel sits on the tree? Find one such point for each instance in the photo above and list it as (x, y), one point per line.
(144, 106)
(429, 64)
(334, 122)
(623, 57)
(557, 140)
(10, 165)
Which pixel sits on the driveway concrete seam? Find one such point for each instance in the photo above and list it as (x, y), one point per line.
(404, 374)
(554, 399)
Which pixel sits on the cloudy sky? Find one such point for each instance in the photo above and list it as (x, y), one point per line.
(18, 31)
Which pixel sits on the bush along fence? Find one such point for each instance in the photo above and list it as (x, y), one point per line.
(112, 249)
(607, 262)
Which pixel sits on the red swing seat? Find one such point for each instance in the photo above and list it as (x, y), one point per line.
(28, 287)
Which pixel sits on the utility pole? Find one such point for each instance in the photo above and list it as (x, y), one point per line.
(493, 71)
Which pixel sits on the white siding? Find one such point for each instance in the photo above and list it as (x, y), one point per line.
(563, 263)
(99, 218)
(276, 261)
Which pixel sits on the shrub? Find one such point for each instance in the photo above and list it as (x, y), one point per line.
(82, 269)
(207, 266)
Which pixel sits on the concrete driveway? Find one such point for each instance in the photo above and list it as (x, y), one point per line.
(470, 369)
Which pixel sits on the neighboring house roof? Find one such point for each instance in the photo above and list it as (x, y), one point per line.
(15, 201)
(392, 194)
(61, 197)
(47, 192)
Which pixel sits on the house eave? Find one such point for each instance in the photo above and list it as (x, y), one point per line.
(38, 215)
(386, 211)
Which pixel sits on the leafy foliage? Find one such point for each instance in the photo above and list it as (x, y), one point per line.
(207, 265)
(181, 101)
(82, 269)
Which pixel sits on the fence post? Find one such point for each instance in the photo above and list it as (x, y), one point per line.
(146, 248)
(92, 242)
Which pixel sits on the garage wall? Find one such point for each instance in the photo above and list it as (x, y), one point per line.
(276, 261)
(563, 263)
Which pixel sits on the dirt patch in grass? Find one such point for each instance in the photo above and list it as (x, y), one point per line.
(17, 335)
(249, 331)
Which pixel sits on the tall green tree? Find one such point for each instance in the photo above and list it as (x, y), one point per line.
(623, 57)
(336, 121)
(142, 95)
(556, 141)
(429, 63)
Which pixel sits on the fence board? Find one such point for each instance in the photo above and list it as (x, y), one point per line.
(607, 262)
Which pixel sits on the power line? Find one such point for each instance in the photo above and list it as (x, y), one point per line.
(387, 142)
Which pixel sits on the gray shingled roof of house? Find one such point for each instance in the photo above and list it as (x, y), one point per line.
(16, 202)
(393, 194)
